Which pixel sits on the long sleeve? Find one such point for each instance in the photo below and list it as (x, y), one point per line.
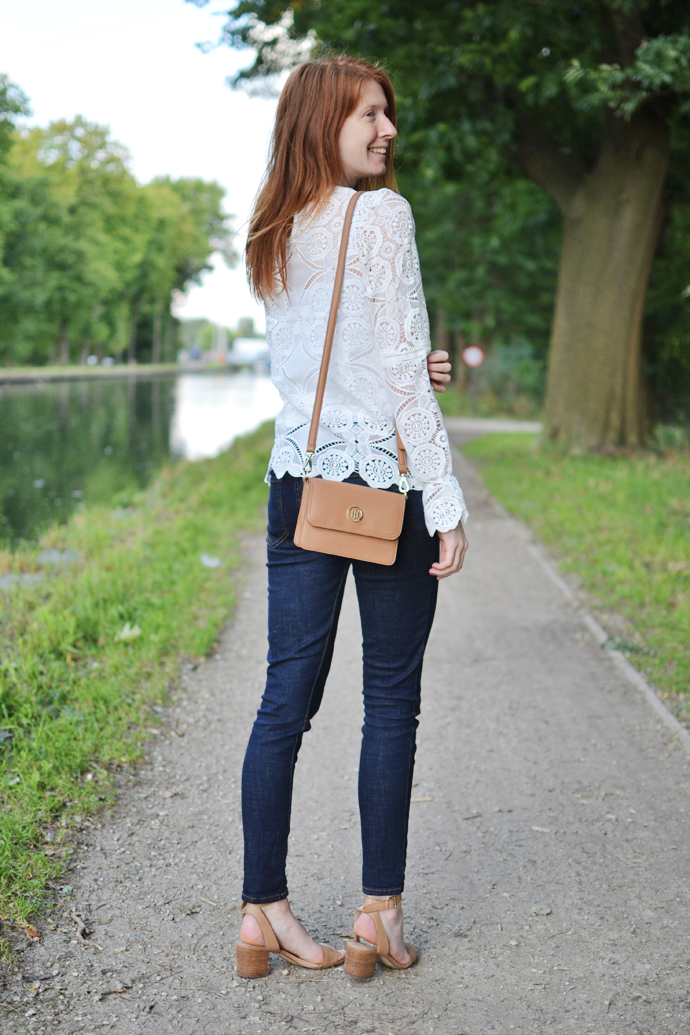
(394, 289)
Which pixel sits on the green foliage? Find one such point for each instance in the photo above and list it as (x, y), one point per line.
(465, 73)
(13, 102)
(622, 525)
(667, 318)
(479, 85)
(89, 259)
(489, 251)
(76, 687)
(72, 242)
(661, 68)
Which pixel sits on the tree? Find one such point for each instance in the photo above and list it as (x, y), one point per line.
(71, 242)
(12, 103)
(89, 259)
(184, 225)
(587, 99)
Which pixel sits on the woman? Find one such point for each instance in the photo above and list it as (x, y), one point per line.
(334, 132)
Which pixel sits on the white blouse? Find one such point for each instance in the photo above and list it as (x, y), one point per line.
(378, 373)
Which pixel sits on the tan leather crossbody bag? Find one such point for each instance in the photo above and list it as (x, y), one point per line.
(338, 517)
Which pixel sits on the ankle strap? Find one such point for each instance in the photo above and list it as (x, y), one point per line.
(387, 903)
(270, 940)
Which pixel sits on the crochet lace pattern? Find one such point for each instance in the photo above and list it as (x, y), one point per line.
(378, 373)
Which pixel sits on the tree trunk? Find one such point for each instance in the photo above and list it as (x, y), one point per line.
(157, 335)
(594, 395)
(132, 340)
(86, 348)
(459, 368)
(441, 336)
(168, 337)
(64, 344)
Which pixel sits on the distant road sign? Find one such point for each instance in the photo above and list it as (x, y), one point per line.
(473, 356)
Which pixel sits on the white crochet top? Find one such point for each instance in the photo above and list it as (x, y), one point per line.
(378, 374)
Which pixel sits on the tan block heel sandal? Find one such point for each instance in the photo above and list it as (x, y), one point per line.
(252, 960)
(360, 959)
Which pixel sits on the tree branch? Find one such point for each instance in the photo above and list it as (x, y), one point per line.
(560, 174)
(629, 33)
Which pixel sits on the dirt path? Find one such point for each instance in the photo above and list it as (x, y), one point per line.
(549, 857)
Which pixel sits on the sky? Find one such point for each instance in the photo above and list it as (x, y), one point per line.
(133, 65)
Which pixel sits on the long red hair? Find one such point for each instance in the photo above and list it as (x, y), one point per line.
(304, 164)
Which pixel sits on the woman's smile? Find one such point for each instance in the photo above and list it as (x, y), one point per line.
(369, 119)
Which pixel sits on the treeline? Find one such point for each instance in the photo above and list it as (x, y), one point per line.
(89, 258)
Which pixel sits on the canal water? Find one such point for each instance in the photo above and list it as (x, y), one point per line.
(64, 444)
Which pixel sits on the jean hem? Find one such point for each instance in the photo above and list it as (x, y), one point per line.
(264, 900)
(383, 891)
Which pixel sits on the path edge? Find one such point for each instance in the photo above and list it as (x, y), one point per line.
(635, 678)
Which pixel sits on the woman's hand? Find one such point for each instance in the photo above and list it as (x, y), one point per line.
(453, 549)
(439, 369)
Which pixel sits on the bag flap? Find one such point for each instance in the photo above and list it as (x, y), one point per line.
(345, 507)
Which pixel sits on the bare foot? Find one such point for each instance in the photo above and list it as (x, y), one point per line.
(289, 931)
(393, 925)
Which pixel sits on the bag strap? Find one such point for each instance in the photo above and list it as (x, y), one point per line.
(328, 348)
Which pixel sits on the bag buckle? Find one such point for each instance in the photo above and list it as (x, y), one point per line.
(404, 485)
(307, 466)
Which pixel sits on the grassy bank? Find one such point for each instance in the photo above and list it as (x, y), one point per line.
(622, 525)
(77, 372)
(87, 653)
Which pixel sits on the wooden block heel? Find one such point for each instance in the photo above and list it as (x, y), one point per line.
(360, 960)
(252, 960)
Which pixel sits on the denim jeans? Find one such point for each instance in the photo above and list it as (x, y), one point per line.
(305, 593)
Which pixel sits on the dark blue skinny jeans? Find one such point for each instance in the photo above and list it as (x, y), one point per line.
(305, 592)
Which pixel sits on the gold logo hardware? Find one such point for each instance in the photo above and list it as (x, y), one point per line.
(355, 514)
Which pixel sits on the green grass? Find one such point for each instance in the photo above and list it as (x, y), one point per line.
(76, 694)
(455, 402)
(622, 524)
(72, 371)
(78, 372)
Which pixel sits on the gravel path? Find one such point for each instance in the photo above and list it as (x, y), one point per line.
(549, 857)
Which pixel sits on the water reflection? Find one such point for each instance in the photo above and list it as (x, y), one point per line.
(212, 411)
(64, 444)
